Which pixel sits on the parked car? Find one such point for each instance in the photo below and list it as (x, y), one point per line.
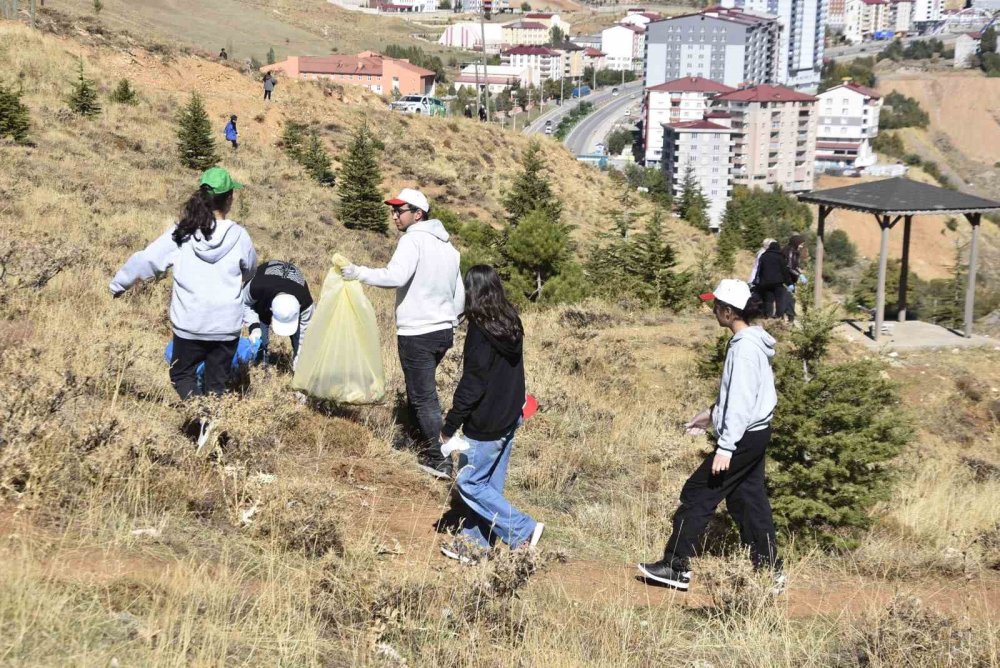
(420, 104)
(548, 127)
(614, 91)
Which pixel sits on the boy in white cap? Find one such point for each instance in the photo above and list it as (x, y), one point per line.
(430, 297)
(741, 417)
(278, 301)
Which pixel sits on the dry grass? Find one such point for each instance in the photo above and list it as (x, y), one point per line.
(308, 540)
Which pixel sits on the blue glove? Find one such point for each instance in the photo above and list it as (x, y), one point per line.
(803, 278)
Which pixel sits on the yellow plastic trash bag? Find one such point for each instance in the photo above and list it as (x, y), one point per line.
(341, 358)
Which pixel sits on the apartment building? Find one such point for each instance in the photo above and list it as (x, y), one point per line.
(476, 6)
(775, 141)
(925, 11)
(543, 62)
(847, 123)
(836, 13)
(595, 59)
(874, 17)
(703, 148)
(801, 39)
(681, 100)
(367, 69)
(623, 47)
(901, 16)
(573, 57)
(725, 45)
(531, 33)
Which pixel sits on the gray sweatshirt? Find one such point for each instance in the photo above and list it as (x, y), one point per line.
(746, 394)
(209, 279)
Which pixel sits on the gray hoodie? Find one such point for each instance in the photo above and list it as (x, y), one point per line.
(425, 272)
(746, 394)
(209, 278)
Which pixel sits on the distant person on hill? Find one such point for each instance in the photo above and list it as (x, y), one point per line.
(429, 300)
(756, 260)
(278, 301)
(772, 276)
(487, 407)
(793, 257)
(468, 111)
(269, 83)
(741, 416)
(223, 55)
(232, 134)
(212, 258)
(482, 114)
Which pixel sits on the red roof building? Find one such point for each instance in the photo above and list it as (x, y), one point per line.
(367, 69)
(765, 93)
(691, 85)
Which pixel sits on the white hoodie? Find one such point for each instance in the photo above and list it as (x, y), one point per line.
(746, 394)
(209, 278)
(425, 272)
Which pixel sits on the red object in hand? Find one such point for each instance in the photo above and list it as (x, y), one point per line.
(530, 406)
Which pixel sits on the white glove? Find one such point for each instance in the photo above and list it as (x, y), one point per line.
(254, 336)
(454, 444)
(351, 272)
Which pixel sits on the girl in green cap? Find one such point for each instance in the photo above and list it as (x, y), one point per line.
(213, 259)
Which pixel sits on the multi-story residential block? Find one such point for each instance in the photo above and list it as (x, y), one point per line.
(803, 25)
(726, 45)
(847, 123)
(836, 15)
(367, 69)
(853, 10)
(496, 77)
(545, 63)
(623, 47)
(874, 17)
(775, 144)
(925, 11)
(901, 16)
(681, 100)
(573, 59)
(587, 41)
(531, 33)
(594, 59)
(702, 149)
(476, 6)
(469, 35)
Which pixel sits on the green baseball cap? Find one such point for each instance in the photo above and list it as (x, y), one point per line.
(219, 181)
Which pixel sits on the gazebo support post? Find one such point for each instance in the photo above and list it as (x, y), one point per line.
(824, 211)
(904, 270)
(883, 258)
(970, 290)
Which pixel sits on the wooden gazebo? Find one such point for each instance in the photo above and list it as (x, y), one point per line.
(892, 200)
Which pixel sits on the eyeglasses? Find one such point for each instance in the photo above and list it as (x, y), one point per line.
(400, 210)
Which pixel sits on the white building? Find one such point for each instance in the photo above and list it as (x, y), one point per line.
(686, 99)
(966, 46)
(407, 6)
(544, 63)
(927, 10)
(803, 24)
(853, 10)
(468, 35)
(874, 17)
(497, 77)
(641, 19)
(550, 20)
(901, 16)
(622, 45)
(705, 148)
(847, 123)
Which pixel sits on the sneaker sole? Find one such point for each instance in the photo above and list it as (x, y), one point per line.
(676, 584)
(430, 470)
(451, 554)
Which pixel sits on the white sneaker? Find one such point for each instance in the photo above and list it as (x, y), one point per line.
(207, 427)
(780, 584)
(536, 535)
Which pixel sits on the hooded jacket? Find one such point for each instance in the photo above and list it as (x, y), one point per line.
(746, 394)
(490, 395)
(231, 133)
(793, 257)
(425, 272)
(209, 277)
(771, 268)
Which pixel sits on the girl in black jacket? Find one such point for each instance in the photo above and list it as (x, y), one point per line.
(487, 406)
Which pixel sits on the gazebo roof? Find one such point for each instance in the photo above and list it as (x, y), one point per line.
(899, 196)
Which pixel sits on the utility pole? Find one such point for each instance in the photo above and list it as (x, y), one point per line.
(479, 91)
(487, 7)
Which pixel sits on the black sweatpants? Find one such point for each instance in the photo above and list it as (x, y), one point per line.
(774, 299)
(188, 354)
(420, 356)
(742, 486)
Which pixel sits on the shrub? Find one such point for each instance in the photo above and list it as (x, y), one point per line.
(124, 93)
(14, 120)
(83, 99)
(195, 143)
(901, 111)
(317, 161)
(840, 250)
(619, 140)
(361, 206)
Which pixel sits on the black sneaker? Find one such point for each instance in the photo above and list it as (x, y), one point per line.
(661, 572)
(439, 468)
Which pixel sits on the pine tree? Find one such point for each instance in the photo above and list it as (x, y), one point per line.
(293, 139)
(536, 247)
(124, 93)
(14, 120)
(728, 243)
(271, 57)
(692, 205)
(531, 189)
(83, 99)
(656, 262)
(361, 204)
(195, 143)
(317, 161)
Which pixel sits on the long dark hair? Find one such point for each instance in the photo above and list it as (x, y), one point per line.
(487, 306)
(198, 214)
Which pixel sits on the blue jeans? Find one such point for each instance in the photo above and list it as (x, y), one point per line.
(483, 469)
(265, 339)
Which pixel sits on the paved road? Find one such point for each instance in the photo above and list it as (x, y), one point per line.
(593, 129)
(597, 98)
(872, 48)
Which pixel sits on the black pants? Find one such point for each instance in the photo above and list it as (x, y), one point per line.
(267, 95)
(742, 486)
(188, 354)
(419, 356)
(235, 143)
(774, 299)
